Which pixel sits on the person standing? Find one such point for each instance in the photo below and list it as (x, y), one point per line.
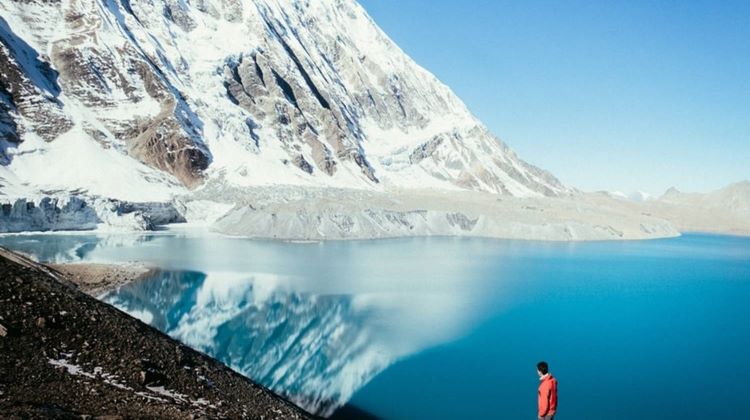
(547, 392)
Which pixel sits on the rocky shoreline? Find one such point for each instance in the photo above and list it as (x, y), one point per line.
(96, 279)
(64, 354)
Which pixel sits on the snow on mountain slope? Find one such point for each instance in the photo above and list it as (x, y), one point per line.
(247, 93)
(636, 196)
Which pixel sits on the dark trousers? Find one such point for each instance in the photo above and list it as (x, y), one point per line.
(552, 417)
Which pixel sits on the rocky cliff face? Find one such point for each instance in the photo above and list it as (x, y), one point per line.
(253, 92)
(29, 91)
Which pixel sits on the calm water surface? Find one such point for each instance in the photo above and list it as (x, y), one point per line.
(448, 327)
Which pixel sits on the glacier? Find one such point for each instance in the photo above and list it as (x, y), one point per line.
(72, 213)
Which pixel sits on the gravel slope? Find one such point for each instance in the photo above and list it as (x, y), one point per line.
(63, 354)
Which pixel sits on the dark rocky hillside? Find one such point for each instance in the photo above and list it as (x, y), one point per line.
(63, 354)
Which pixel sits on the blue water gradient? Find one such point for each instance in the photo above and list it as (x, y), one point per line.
(446, 328)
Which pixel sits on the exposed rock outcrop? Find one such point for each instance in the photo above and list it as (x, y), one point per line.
(29, 88)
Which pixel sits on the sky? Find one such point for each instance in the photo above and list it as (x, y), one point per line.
(607, 95)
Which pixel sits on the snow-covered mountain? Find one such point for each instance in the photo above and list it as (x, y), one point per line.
(636, 196)
(146, 100)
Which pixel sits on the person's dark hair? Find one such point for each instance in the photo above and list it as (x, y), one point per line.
(542, 367)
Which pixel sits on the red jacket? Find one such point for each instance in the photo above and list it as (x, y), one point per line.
(547, 396)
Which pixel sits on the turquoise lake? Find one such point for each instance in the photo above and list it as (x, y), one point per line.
(451, 328)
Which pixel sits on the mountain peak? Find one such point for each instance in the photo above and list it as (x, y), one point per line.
(671, 191)
(252, 93)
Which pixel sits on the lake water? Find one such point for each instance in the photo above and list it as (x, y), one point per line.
(448, 328)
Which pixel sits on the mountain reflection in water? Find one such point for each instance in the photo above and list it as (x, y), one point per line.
(313, 321)
(446, 328)
(316, 349)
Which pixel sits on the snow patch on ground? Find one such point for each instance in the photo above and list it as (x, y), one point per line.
(97, 374)
(160, 390)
